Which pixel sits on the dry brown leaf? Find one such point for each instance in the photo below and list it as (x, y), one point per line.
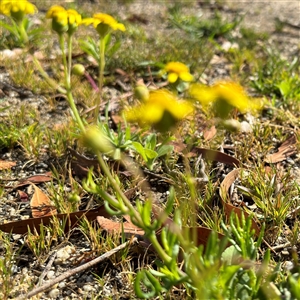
(214, 155)
(286, 149)
(35, 179)
(228, 207)
(116, 227)
(70, 221)
(80, 164)
(4, 165)
(178, 146)
(41, 205)
(209, 133)
(23, 196)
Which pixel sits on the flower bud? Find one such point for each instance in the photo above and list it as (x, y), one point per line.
(231, 125)
(141, 92)
(97, 140)
(74, 198)
(78, 69)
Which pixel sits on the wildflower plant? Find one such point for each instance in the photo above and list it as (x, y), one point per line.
(222, 98)
(178, 75)
(66, 22)
(177, 71)
(162, 110)
(17, 12)
(104, 25)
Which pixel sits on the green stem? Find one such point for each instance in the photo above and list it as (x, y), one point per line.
(67, 71)
(23, 32)
(117, 188)
(75, 112)
(160, 251)
(69, 57)
(101, 74)
(49, 80)
(152, 237)
(64, 58)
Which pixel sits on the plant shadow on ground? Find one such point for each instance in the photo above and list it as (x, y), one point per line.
(264, 267)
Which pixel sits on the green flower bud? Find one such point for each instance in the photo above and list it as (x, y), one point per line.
(103, 29)
(97, 140)
(231, 125)
(141, 92)
(74, 198)
(78, 70)
(18, 16)
(59, 27)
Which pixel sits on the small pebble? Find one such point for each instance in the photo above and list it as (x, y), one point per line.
(62, 285)
(246, 127)
(288, 265)
(89, 278)
(53, 294)
(14, 269)
(87, 288)
(63, 254)
(50, 274)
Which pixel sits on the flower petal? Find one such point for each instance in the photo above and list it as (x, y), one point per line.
(172, 77)
(186, 76)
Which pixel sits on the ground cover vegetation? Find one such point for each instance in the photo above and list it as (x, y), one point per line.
(142, 171)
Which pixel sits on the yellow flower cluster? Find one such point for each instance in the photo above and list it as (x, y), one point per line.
(162, 110)
(224, 96)
(17, 9)
(63, 20)
(177, 70)
(103, 23)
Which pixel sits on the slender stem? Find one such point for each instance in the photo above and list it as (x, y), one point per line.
(69, 57)
(64, 58)
(67, 70)
(101, 73)
(91, 81)
(75, 112)
(152, 237)
(49, 80)
(23, 32)
(117, 188)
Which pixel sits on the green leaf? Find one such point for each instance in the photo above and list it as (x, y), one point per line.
(150, 154)
(142, 278)
(230, 255)
(146, 213)
(285, 88)
(138, 147)
(11, 29)
(90, 47)
(150, 142)
(165, 149)
(113, 49)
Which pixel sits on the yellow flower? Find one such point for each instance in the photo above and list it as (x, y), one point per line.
(224, 96)
(63, 20)
(17, 9)
(177, 70)
(103, 23)
(162, 111)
